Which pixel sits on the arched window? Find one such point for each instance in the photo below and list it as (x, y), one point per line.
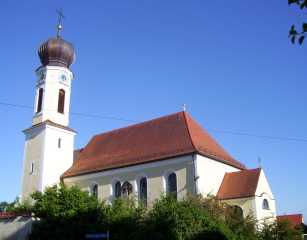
(61, 101)
(118, 189)
(127, 189)
(40, 100)
(95, 191)
(172, 184)
(59, 143)
(143, 190)
(238, 212)
(265, 204)
(115, 189)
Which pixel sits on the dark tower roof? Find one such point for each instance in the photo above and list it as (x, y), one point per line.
(56, 52)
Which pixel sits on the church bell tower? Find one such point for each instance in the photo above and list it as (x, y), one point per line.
(49, 141)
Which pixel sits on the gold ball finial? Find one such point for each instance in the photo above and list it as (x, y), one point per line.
(59, 27)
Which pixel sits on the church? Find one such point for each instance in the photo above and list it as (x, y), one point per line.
(170, 153)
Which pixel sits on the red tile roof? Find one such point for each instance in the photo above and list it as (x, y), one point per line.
(296, 219)
(239, 184)
(170, 136)
(16, 214)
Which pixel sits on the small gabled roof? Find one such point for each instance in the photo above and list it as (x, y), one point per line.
(162, 138)
(296, 219)
(48, 122)
(239, 184)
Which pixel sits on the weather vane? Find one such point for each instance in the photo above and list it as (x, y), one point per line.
(60, 19)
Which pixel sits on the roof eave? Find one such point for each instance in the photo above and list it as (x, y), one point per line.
(129, 165)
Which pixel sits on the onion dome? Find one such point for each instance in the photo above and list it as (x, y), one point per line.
(56, 52)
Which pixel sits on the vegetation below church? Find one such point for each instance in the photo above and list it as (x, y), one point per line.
(70, 213)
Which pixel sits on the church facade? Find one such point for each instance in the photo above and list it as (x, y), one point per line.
(171, 153)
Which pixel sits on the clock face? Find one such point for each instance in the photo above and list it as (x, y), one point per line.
(41, 77)
(64, 78)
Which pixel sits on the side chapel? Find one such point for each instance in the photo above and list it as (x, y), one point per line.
(170, 153)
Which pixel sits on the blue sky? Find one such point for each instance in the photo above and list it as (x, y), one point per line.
(230, 62)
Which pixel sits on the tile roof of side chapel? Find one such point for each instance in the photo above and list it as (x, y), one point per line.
(158, 139)
(239, 184)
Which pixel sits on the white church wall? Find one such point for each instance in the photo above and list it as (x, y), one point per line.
(154, 171)
(263, 191)
(262, 212)
(211, 174)
(246, 204)
(31, 162)
(57, 158)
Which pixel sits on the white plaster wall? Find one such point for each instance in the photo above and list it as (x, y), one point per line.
(55, 160)
(263, 191)
(182, 166)
(32, 154)
(15, 228)
(211, 174)
(50, 161)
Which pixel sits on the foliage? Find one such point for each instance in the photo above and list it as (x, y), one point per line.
(64, 213)
(302, 228)
(3, 206)
(172, 219)
(69, 213)
(124, 219)
(281, 229)
(293, 33)
(17, 206)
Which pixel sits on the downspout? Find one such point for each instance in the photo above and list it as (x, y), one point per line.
(195, 175)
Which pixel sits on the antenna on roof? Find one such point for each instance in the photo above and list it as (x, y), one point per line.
(259, 160)
(183, 107)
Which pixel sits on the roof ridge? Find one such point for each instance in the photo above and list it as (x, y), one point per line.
(188, 129)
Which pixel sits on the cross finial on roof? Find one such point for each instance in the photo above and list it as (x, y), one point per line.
(259, 160)
(60, 19)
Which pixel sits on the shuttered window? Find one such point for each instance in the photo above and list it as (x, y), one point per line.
(40, 100)
(61, 101)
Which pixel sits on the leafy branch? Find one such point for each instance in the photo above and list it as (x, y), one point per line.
(293, 33)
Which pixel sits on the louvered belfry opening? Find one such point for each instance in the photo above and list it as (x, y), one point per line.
(40, 100)
(61, 101)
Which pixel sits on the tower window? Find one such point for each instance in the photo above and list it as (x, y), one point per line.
(59, 142)
(61, 101)
(31, 168)
(40, 100)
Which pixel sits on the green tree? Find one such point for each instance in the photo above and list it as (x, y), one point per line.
(293, 33)
(281, 229)
(69, 213)
(65, 213)
(3, 206)
(302, 228)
